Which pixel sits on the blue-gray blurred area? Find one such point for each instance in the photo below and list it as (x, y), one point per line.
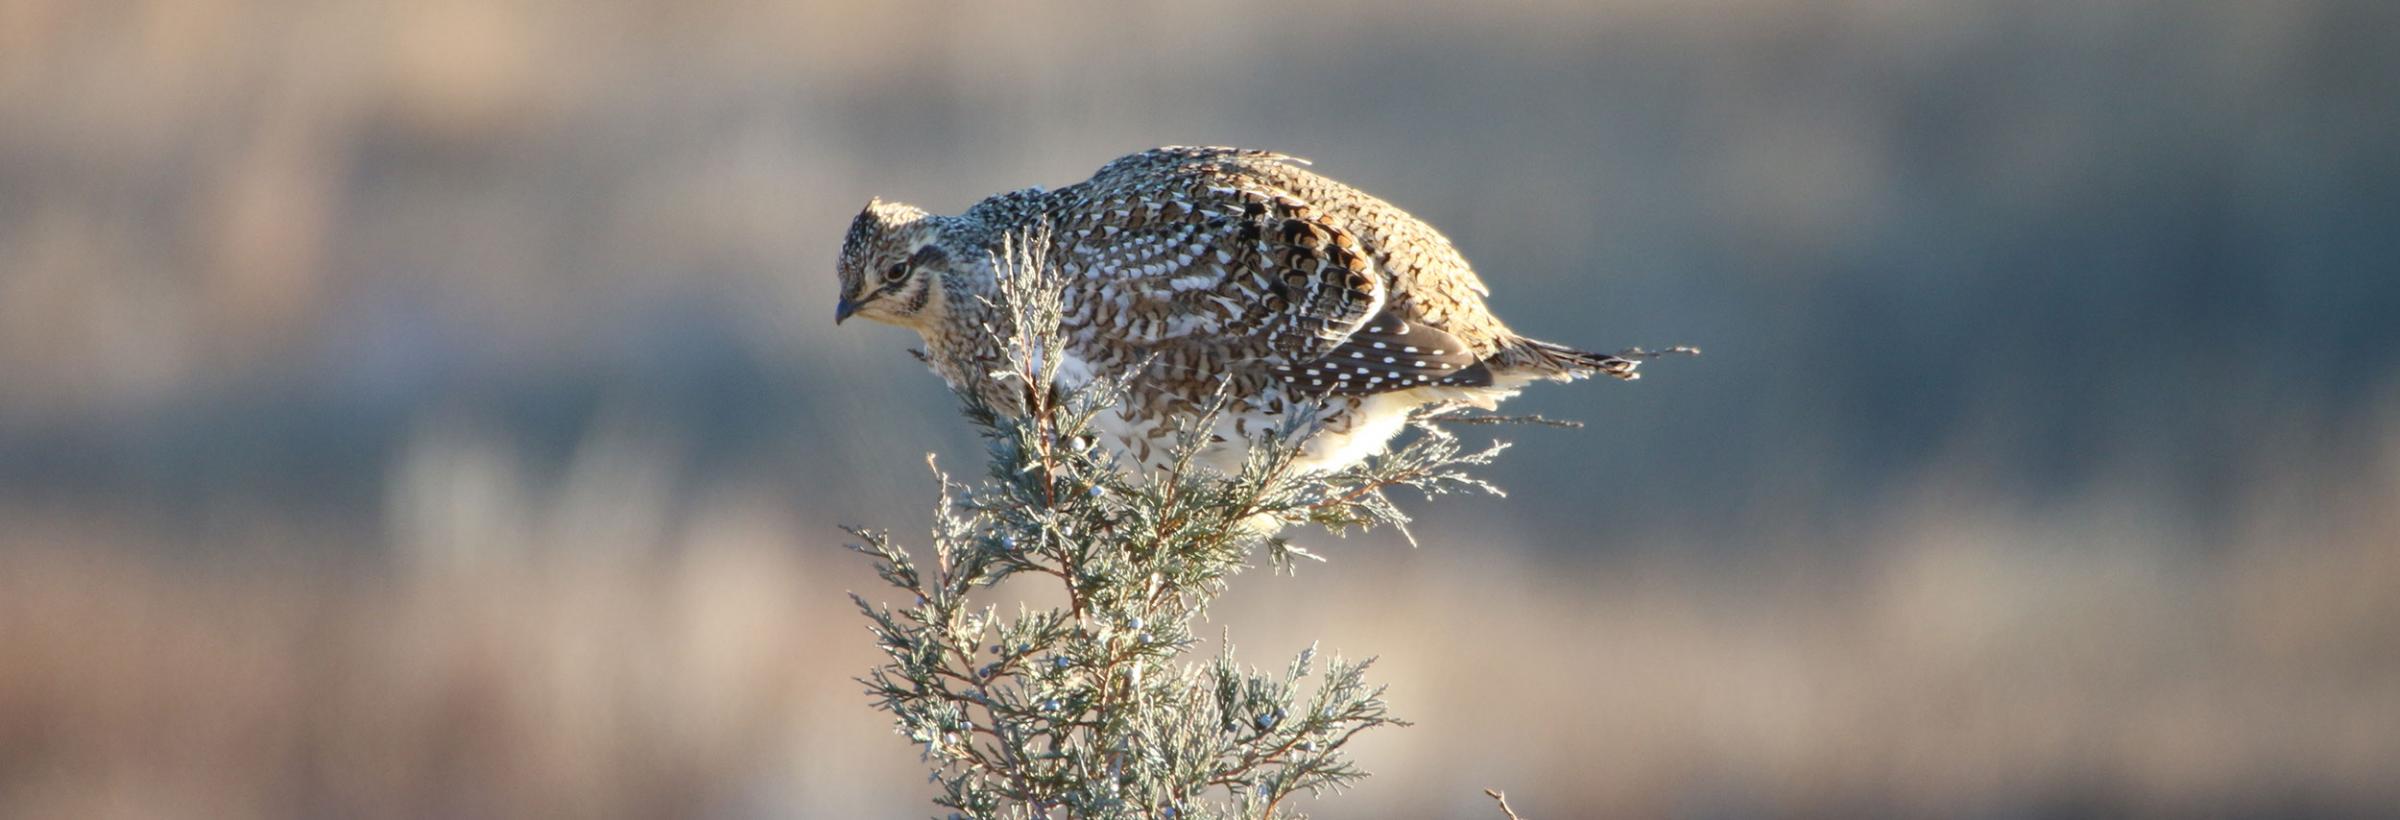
(425, 357)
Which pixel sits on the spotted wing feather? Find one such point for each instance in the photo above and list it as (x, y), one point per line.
(1432, 299)
(1187, 253)
(1386, 354)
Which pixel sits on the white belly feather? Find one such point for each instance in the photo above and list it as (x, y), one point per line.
(1346, 434)
(1338, 443)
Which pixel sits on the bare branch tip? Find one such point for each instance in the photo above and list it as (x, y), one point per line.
(1503, 798)
(1536, 420)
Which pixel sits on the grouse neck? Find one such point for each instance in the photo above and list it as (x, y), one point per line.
(962, 329)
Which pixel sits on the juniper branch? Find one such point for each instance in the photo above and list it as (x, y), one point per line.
(1094, 709)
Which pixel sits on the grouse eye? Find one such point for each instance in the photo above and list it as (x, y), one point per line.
(895, 273)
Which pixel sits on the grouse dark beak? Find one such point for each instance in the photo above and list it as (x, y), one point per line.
(842, 311)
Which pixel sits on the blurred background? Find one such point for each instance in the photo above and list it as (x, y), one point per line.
(431, 407)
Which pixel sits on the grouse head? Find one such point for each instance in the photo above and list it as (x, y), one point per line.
(892, 264)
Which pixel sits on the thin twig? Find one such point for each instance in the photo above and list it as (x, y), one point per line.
(1564, 424)
(1503, 798)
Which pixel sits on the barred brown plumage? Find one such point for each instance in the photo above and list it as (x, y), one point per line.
(1209, 269)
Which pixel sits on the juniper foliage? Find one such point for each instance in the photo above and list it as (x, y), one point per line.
(1092, 710)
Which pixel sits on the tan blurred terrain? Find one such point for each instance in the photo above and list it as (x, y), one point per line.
(430, 408)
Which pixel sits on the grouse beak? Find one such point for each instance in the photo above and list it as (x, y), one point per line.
(842, 311)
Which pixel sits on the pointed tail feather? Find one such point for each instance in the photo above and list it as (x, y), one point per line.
(1562, 362)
